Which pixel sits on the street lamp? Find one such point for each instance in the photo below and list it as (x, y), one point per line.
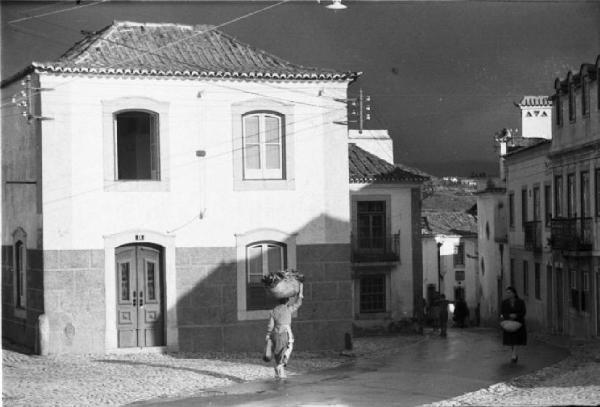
(439, 258)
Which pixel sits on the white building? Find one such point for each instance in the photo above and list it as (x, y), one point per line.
(450, 262)
(162, 186)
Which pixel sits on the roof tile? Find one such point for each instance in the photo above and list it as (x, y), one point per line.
(178, 50)
(368, 168)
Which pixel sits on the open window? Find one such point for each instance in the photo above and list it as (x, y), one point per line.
(137, 146)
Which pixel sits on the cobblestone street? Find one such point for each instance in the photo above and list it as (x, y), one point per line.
(572, 381)
(123, 379)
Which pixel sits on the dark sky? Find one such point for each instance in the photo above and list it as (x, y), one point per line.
(442, 76)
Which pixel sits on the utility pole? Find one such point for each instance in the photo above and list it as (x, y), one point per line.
(361, 110)
(24, 100)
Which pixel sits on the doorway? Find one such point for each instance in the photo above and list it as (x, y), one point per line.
(559, 300)
(140, 300)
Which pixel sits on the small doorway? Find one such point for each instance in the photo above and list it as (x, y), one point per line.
(139, 274)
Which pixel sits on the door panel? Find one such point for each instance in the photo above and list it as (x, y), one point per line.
(140, 321)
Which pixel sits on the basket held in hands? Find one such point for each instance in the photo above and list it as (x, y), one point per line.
(510, 326)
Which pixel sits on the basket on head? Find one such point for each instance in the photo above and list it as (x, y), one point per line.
(283, 284)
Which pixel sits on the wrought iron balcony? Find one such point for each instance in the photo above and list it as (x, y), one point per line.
(533, 236)
(385, 248)
(573, 234)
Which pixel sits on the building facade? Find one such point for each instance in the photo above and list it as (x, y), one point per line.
(385, 205)
(145, 194)
(450, 262)
(574, 162)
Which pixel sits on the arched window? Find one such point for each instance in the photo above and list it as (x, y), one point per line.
(263, 145)
(262, 258)
(137, 145)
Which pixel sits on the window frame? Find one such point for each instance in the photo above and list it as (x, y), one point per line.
(20, 298)
(571, 195)
(154, 120)
(384, 300)
(286, 112)
(547, 205)
(537, 282)
(263, 173)
(459, 254)
(242, 241)
(558, 196)
(584, 190)
(265, 245)
(109, 144)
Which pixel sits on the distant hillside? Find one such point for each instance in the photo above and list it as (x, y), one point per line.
(457, 168)
(441, 195)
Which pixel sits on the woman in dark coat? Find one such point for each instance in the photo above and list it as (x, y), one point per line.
(513, 308)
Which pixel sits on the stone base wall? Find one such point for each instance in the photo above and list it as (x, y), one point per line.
(75, 300)
(21, 326)
(207, 300)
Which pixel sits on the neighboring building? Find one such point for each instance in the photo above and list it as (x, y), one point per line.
(492, 244)
(385, 204)
(164, 184)
(450, 262)
(574, 166)
(376, 142)
(553, 206)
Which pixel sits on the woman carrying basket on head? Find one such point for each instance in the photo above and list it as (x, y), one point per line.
(279, 330)
(513, 322)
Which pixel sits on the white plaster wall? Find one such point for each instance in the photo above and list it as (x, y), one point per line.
(447, 267)
(400, 219)
(78, 212)
(376, 142)
(536, 126)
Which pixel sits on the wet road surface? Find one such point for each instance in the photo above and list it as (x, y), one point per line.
(431, 370)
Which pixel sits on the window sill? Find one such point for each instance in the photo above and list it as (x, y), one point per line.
(244, 315)
(263, 184)
(136, 186)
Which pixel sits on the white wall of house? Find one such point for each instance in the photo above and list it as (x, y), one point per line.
(376, 142)
(493, 251)
(79, 209)
(400, 217)
(448, 268)
(526, 171)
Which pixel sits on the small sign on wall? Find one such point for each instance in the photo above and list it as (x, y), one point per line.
(139, 238)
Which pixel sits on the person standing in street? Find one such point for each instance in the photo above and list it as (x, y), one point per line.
(443, 304)
(279, 331)
(513, 309)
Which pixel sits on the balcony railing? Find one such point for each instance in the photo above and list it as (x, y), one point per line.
(574, 234)
(384, 248)
(533, 236)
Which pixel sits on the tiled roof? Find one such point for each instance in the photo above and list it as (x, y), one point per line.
(448, 223)
(178, 50)
(535, 101)
(368, 168)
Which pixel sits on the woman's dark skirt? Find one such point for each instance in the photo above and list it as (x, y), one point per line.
(517, 338)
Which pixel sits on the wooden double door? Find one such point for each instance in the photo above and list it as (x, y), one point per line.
(140, 301)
